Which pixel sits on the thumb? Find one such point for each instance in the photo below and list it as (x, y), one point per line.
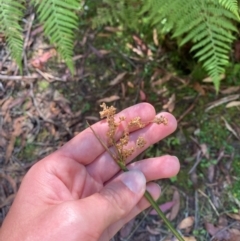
(115, 200)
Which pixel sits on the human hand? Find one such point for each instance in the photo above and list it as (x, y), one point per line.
(79, 193)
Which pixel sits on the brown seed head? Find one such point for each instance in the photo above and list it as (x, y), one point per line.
(136, 122)
(141, 142)
(160, 120)
(107, 111)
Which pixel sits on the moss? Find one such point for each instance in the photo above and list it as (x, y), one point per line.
(28, 153)
(43, 85)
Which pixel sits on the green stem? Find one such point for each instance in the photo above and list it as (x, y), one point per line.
(149, 197)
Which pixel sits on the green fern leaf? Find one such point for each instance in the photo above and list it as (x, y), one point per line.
(208, 24)
(211, 31)
(60, 19)
(232, 5)
(11, 13)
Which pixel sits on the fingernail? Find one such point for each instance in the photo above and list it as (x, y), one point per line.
(134, 180)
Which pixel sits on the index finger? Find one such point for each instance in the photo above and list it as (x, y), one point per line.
(85, 147)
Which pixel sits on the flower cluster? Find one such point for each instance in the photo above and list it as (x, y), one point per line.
(160, 120)
(122, 153)
(109, 112)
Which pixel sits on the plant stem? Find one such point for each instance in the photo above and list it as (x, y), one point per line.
(149, 197)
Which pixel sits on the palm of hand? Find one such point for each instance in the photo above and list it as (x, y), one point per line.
(61, 186)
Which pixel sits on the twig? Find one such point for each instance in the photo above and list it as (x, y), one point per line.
(50, 78)
(137, 226)
(102, 143)
(210, 201)
(188, 109)
(25, 46)
(198, 160)
(221, 101)
(223, 229)
(196, 209)
(14, 77)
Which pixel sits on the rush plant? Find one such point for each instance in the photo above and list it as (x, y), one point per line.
(122, 152)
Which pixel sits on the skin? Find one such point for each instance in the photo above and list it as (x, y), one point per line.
(79, 193)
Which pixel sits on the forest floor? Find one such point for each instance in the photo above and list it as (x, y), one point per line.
(47, 106)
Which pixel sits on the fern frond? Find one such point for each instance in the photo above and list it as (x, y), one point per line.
(11, 13)
(60, 19)
(208, 24)
(232, 5)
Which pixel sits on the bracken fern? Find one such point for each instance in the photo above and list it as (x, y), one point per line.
(11, 13)
(59, 19)
(209, 27)
(232, 5)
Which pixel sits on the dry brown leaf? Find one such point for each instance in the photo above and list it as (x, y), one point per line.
(39, 61)
(6, 104)
(230, 90)
(104, 51)
(130, 84)
(219, 233)
(191, 238)
(233, 104)
(186, 223)
(199, 88)
(155, 37)
(222, 101)
(142, 95)
(109, 99)
(176, 207)
(118, 79)
(228, 126)
(162, 80)
(112, 29)
(235, 232)
(138, 52)
(235, 216)
(164, 207)
(210, 80)
(140, 43)
(171, 103)
(17, 101)
(17, 131)
(204, 150)
(211, 173)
